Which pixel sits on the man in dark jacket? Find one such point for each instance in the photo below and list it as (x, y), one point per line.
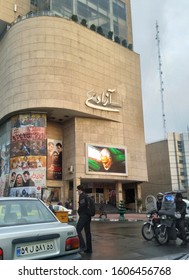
(159, 201)
(181, 208)
(28, 182)
(84, 221)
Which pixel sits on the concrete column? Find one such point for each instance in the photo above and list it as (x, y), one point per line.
(74, 7)
(76, 182)
(138, 195)
(138, 191)
(111, 18)
(65, 191)
(119, 192)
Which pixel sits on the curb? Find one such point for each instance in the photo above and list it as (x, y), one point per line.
(118, 220)
(115, 218)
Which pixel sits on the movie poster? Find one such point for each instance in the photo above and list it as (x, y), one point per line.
(27, 155)
(54, 159)
(4, 169)
(27, 183)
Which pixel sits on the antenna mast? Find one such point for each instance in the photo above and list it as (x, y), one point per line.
(161, 80)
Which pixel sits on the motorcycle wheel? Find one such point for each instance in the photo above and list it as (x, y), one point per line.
(161, 235)
(147, 231)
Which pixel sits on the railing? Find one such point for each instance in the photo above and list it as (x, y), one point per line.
(53, 14)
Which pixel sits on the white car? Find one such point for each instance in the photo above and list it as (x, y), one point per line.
(29, 230)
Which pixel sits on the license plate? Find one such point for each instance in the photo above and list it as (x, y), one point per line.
(36, 248)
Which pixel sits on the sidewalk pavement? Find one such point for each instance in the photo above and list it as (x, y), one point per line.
(128, 217)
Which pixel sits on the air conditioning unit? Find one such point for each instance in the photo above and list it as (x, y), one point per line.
(71, 169)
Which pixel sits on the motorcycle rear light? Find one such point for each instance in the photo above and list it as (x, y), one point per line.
(164, 217)
(72, 243)
(1, 254)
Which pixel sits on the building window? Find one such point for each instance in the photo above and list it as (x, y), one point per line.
(104, 5)
(179, 145)
(182, 173)
(44, 5)
(116, 29)
(82, 10)
(184, 183)
(119, 10)
(34, 2)
(180, 159)
(106, 24)
(95, 2)
(68, 4)
(95, 12)
(63, 8)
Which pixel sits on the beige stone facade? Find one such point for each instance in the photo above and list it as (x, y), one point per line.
(11, 9)
(52, 65)
(167, 165)
(158, 166)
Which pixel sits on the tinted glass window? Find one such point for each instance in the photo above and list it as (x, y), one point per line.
(82, 10)
(95, 2)
(119, 10)
(104, 5)
(44, 5)
(68, 4)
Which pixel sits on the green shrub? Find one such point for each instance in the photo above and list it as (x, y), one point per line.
(110, 35)
(93, 27)
(124, 43)
(117, 39)
(100, 30)
(74, 18)
(84, 22)
(130, 47)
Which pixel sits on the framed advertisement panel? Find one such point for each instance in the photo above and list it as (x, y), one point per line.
(106, 159)
(54, 159)
(27, 155)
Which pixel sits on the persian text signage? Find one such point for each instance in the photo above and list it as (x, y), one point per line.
(102, 101)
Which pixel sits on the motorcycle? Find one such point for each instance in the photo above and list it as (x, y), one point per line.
(167, 229)
(149, 227)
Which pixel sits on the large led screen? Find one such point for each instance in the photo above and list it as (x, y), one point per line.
(106, 159)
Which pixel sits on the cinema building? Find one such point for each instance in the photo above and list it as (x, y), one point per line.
(71, 103)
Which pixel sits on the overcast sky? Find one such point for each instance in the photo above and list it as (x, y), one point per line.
(172, 17)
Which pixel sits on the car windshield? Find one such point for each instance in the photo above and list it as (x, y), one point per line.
(16, 212)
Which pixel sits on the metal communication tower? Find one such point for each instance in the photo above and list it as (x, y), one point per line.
(161, 80)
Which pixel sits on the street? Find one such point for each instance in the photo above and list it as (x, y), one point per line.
(124, 241)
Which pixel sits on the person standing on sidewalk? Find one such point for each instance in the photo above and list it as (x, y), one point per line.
(84, 221)
(102, 210)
